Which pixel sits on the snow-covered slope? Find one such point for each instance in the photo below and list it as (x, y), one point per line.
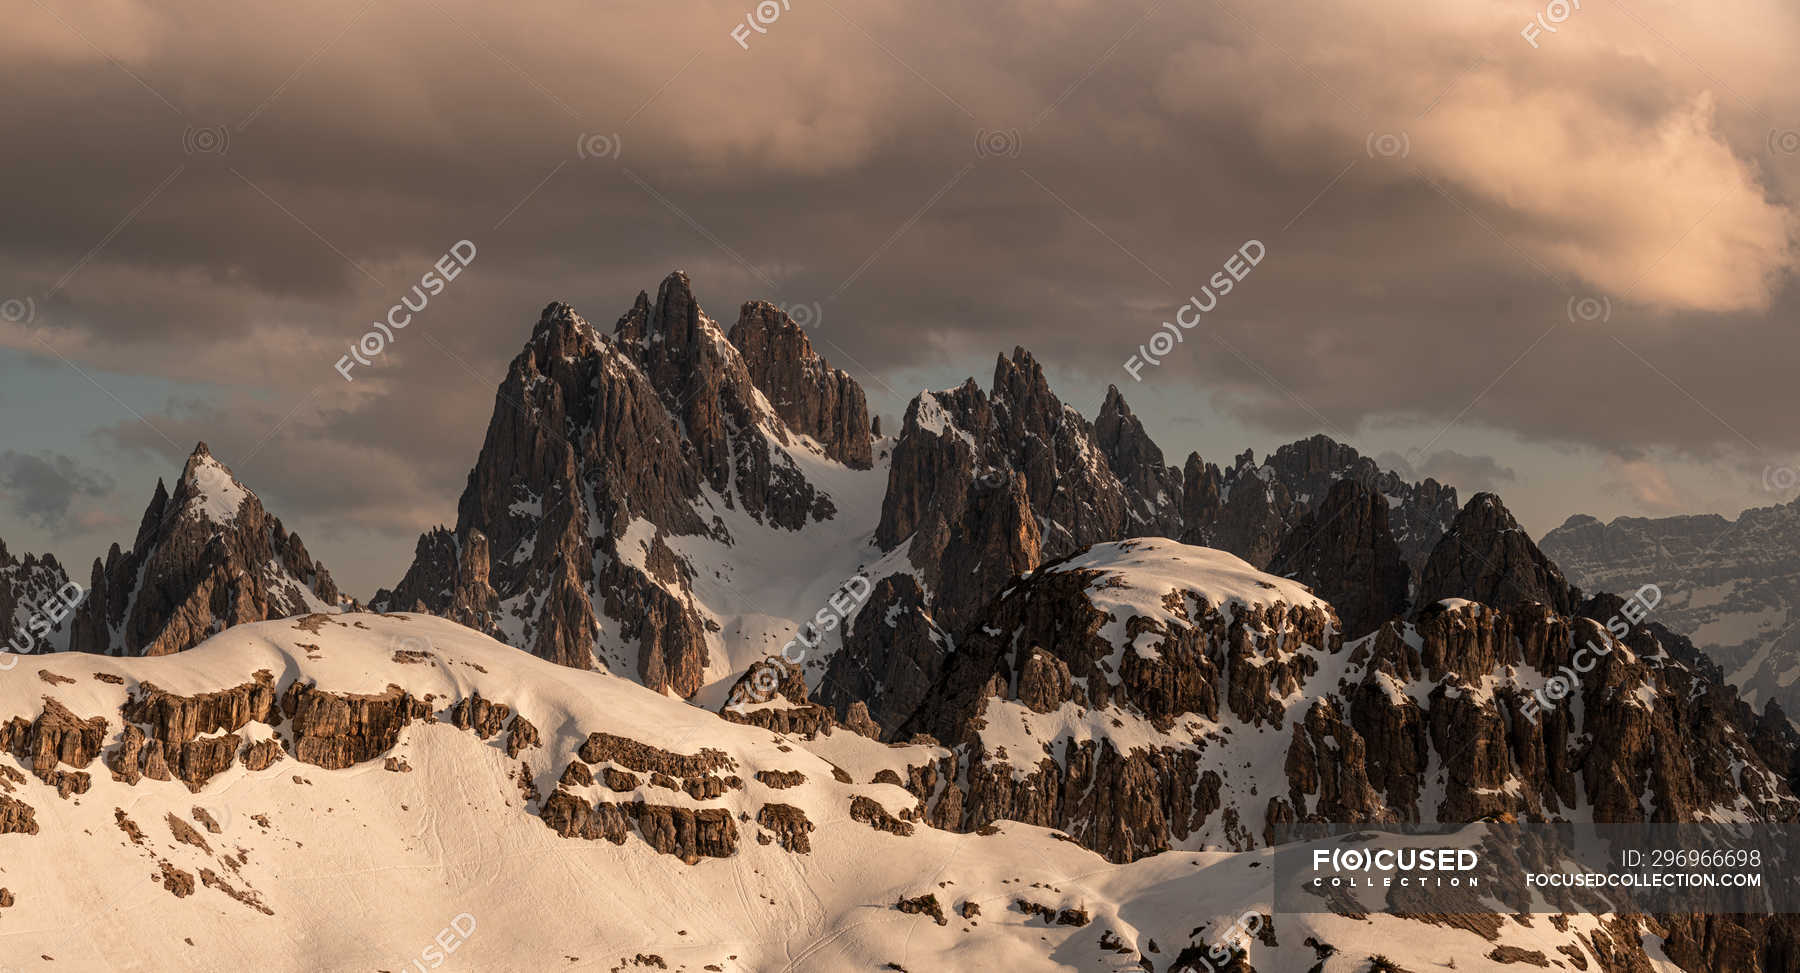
(430, 840)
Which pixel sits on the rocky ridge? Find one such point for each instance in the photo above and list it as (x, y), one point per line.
(620, 469)
(33, 591)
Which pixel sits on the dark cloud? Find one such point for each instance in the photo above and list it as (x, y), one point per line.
(1587, 243)
(1469, 474)
(41, 486)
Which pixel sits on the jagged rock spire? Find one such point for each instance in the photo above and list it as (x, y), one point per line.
(206, 557)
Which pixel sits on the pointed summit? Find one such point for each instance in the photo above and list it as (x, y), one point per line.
(206, 557)
(1487, 557)
(1154, 490)
(601, 456)
(676, 309)
(207, 489)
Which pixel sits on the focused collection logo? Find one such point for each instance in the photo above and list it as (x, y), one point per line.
(1390, 867)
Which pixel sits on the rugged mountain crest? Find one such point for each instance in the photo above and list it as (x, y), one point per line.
(729, 424)
(613, 461)
(1248, 507)
(1488, 557)
(983, 485)
(1244, 510)
(205, 558)
(1145, 696)
(1081, 698)
(1153, 490)
(606, 453)
(34, 598)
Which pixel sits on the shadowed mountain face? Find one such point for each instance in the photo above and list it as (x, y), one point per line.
(1487, 557)
(206, 557)
(1345, 552)
(1732, 586)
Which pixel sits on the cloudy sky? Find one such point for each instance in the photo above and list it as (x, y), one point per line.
(1556, 265)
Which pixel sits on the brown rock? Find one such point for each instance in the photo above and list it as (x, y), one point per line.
(16, 816)
(789, 825)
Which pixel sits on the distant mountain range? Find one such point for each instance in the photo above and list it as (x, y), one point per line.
(1731, 586)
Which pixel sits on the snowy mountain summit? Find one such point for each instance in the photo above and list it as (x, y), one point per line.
(206, 557)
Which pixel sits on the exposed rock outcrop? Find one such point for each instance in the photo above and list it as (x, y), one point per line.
(206, 557)
(1247, 508)
(809, 395)
(1346, 554)
(1487, 557)
(1202, 644)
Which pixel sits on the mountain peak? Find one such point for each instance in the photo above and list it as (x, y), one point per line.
(1487, 557)
(208, 489)
(1114, 403)
(1020, 377)
(675, 305)
(205, 558)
